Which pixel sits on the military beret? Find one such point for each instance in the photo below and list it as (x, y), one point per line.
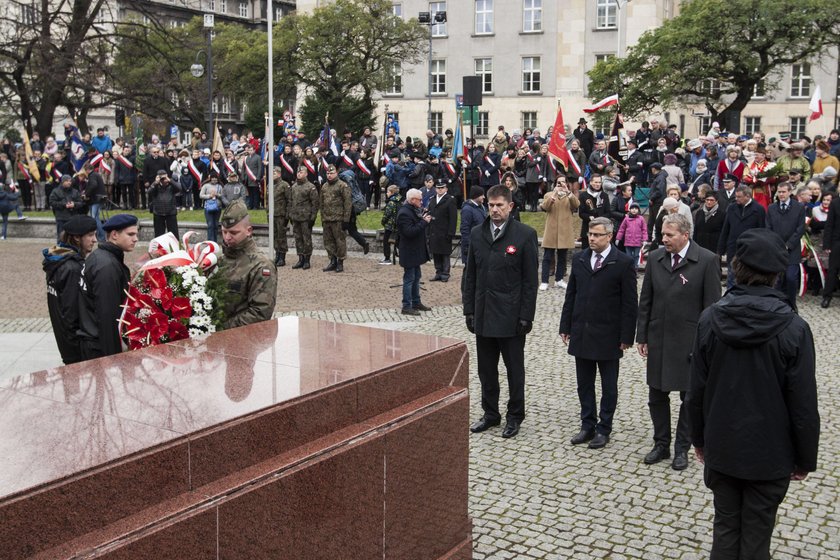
(80, 225)
(120, 221)
(428, 178)
(762, 250)
(234, 214)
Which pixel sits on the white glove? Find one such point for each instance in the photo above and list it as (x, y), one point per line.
(580, 180)
(540, 177)
(539, 159)
(487, 173)
(382, 169)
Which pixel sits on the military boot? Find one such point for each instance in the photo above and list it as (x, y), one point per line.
(306, 264)
(299, 264)
(332, 266)
(340, 266)
(280, 260)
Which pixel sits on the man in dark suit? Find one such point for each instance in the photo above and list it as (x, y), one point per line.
(411, 225)
(500, 299)
(681, 280)
(787, 218)
(598, 323)
(444, 212)
(745, 214)
(726, 194)
(831, 244)
(585, 137)
(752, 401)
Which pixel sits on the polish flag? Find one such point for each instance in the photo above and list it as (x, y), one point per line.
(605, 102)
(816, 105)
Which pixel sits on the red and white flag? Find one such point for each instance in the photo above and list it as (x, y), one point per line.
(557, 144)
(605, 102)
(816, 105)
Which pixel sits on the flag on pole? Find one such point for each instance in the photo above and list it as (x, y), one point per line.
(557, 144)
(31, 166)
(458, 147)
(605, 102)
(78, 155)
(617, 147)
(217, 141)
(816, 105)
(326, 140)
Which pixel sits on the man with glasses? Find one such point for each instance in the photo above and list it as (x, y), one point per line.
(598, 322)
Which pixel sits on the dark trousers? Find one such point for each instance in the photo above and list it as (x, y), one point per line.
(512, 350)
(253, 198)
(353, 231)
(163, 224)
(831, 280)
(125, 195)
(745, 513)
(532, 195)
(548, 259)
(659, 403)
(386, 244)
(789, 283)
(443, 265)
(590, 416)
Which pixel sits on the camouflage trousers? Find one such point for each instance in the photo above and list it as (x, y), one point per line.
(303, 237)
(281, 244)
(335, 240)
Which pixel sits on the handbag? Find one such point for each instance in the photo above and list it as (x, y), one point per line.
(211, 204)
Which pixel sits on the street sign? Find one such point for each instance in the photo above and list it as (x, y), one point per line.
(208, 21)
(173, 131)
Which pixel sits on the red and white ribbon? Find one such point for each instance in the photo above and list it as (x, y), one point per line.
(169, 252)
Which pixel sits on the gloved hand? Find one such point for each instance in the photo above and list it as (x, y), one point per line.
(487, 173)
(524, 327)
(539, 159)
(345, 226)
(470, 320)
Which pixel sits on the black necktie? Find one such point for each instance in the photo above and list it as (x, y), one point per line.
(676, 261)
(784, 207)
(598, 261)
(496, 232)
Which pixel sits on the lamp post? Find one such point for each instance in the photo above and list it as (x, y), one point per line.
(425, 18)
(208, 27)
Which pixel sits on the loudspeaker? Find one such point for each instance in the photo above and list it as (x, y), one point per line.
(733, 122)
(472, 91)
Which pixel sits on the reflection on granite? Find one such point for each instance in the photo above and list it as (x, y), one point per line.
(93, 412)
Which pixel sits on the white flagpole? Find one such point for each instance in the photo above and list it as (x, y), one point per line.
(269, 146)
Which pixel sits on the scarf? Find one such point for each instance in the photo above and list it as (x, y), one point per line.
(709, 212)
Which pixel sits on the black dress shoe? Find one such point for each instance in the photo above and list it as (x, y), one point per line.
(825, 302)
(421, 307)
(583, 436)
(599, 441)
(511, 429)
(657, 454)
(484, 424)
(680, 462)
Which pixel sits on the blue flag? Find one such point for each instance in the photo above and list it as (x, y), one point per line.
(78, 154)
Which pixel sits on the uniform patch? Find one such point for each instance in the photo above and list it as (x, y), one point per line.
(511, 250)
(266, 272)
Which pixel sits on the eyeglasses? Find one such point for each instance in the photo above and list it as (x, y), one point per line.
(596, 234)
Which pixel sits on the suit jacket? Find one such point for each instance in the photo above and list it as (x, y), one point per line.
(790, 226)
(601, 307)
(442, 227)
(724, 201)
(831, 234)
(738, 220)
(669, 308)
(412, 236)
(500, 280)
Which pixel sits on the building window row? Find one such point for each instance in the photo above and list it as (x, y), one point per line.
(484, 24)
(482, 124)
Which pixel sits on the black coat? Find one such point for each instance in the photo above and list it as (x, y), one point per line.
(752, 405)
(601, 307)
(586, 139)
(591, 207)
(790, 226)
(738, 220)
(442, 227)
(63, 268)
(707, 231)
(59, 197)
(831, 234)
(724, 201)
(104, 282)
(500, 279)
(412, 231)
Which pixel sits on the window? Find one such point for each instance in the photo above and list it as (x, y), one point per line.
(437, 123)
(668, 9)
(438, 76)
(278, 13)
(215, 105)
(800, 80)
(484, 70)
(797, 127)
(759, 91)
(603, 57)
(397, 10)
(438, 29)
(605, 14)
(395, 88)
(211, 5)
(530, 74)
(532, 16)
(710, 86)
(482, 125)
(27, 14)
(223, 6)
(705, 125)
(529, 119)
(243, 9)
(752, 125)
(225, 104)
(483, 17)
(173, 99)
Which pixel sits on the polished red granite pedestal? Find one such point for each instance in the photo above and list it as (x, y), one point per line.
(290, 439)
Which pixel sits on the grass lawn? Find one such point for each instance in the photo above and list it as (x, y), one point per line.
(370, 220)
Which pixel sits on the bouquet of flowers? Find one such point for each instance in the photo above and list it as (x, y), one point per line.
(770, 172)
(175, 295)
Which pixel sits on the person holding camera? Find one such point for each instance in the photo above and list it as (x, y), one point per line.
(163, 204)
(560, 205)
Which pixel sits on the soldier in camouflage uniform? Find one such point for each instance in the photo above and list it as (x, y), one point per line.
(303, 207)
(335, 218)
(250, 275)
(281, 219)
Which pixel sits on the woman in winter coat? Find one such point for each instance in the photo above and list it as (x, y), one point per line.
(560, 204)
(708, 220)
(488, 165)
(8, 202)
(673, 173)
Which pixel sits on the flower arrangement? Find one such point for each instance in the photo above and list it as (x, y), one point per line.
(771, 171)
(175, 295)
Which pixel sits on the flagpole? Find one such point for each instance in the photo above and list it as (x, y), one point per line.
(269, 130)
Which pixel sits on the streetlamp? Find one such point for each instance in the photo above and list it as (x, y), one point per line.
(197, 70)
(425, 18)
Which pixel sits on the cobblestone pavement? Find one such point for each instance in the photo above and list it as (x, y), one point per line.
(536, 495)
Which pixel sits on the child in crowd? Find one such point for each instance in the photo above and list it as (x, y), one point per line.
(633, 231)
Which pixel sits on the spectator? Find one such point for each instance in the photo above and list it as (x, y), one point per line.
(102, 142)
(633, 232)
(708, 220)
(740, 217)
(211, 194)
(65, 202)
(473, 214)
(411, 227)
(163, 205)
(560, 205)
(389, 222)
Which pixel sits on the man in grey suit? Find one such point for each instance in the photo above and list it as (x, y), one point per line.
(681, 280)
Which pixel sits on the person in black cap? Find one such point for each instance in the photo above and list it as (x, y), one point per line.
(441, 230)
(63, 264)
(473, 214)
(752, 402)
(585, 137)
(105, 279)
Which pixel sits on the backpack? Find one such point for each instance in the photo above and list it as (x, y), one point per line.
(357, 197)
